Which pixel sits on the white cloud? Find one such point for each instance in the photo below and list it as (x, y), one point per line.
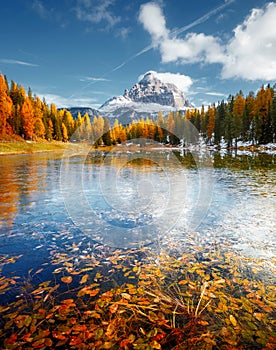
(154, 22)
(89, 79)
(123, 32)
(17, 62)
(250, 54)
(38, 7)
(87, 10)
(64, 102)
(214, 93)
(193, 48)
(183, 82)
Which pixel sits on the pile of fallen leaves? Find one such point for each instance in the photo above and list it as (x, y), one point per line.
(141, 300)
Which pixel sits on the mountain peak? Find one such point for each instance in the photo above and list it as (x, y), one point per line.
(154, 92)
(149, 77)
(151, 89)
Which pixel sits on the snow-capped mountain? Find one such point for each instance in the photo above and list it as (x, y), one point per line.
(153, 93)
(149, 96)
(151, 89)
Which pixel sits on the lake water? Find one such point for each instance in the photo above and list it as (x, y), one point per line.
(125, 199)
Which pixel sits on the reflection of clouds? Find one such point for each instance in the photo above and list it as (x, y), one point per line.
(249, 224)
(135, 196)
(255, 219)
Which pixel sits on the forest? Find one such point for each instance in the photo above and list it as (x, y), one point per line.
(251, 118)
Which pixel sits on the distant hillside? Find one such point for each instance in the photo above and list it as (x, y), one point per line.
(82, 110)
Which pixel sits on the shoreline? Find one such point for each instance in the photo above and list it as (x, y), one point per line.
(31, 147)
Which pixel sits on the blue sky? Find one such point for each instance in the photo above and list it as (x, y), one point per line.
(82, 52)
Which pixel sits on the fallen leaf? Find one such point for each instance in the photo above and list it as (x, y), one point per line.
(67, 279)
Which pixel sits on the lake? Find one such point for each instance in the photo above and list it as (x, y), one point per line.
(57, 207)
(126, 199)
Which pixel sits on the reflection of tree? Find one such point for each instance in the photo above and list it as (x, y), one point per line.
(22, 179)
(9, 195)
(32, 172)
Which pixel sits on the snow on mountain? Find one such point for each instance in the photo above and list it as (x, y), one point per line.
(153, 93)
(115, 102)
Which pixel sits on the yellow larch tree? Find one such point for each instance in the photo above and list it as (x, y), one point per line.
(6, 107)
(28, 120)
(211, 122)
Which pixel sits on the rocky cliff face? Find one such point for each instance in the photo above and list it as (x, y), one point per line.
(152, 90)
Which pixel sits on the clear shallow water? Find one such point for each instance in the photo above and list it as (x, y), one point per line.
(125, 200)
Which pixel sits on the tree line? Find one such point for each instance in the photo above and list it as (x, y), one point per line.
(250, 118)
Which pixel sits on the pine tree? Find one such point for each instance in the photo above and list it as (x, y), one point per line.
(256, 130)
(56, 121)
(267, 132)
(39, 127)
(220, 113)
(17, 97)
(245, 124)
(106, 133)
(229, 129)
(211, 122)
(159, 134)
(273, 117)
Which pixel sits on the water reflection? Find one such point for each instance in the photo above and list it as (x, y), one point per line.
(25, 182)
(124, 198)
(9, 195)
(127, 198)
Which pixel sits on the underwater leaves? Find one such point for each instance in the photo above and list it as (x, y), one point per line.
(84, 279)
(182, 302)
(88, 291)
(233, 320)
(67, 279)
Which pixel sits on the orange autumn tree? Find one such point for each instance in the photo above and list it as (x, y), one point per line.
(39, 127)
(28, 120)
(5, 107)
(211, 122)
(239, 103)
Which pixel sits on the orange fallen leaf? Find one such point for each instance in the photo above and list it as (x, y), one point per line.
(84, 279)
(67, 279)
(233, 320)
(183, 282)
